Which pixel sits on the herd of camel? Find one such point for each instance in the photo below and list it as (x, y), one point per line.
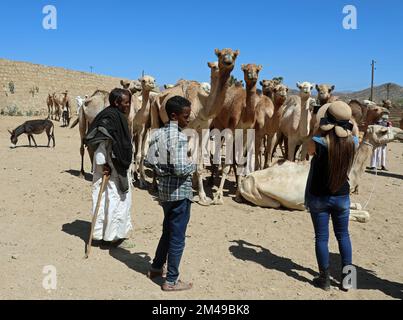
(276, 117)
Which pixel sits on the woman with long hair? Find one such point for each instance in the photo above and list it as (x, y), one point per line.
(328, 190)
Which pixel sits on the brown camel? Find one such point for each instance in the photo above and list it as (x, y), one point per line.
(240, 113)
(49, 102)
(141, 125)
(59, 102)
(268, 87)
(205, 107)
(267, 125)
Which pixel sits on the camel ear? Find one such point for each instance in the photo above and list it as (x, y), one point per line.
(317, 88)
(217, 52)
(298, 85)
(243, 67)
(286, 89)
(332, 88)
(236, 53)
(313, 86)
(259, 67)
(210, 64)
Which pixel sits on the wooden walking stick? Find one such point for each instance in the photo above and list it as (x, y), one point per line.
(105, 180)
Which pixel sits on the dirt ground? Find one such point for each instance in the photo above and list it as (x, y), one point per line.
(234, 251)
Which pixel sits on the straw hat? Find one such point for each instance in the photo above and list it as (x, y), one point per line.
(338, 116)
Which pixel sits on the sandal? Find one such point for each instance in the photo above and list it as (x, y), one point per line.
(123, 244)
(179, 286)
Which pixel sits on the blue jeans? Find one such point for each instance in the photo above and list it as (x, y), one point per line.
(338, 207)
(172, 242)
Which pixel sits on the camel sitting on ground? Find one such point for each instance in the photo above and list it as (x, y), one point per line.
(283, 185)
(141, 126)
(295, 119)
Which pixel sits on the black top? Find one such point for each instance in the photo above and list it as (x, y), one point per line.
(318, 179)
(111, 124)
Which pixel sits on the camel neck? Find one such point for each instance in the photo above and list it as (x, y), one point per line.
(251, 102)
(304, 127)
(216, 97)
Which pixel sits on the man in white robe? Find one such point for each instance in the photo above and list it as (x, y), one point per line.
(114, 219)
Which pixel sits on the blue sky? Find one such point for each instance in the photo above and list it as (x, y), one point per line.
(299, 40)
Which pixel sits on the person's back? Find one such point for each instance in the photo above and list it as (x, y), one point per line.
(327, 190)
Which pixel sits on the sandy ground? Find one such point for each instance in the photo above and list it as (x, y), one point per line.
(234, 251)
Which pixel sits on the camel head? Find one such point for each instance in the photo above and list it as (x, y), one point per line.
(226, 59)
(268, 86)
(239, 83)
(132, 86)
(305, 89)
(324, 92)
(147, 83)
(206, 87)
(214, 70)
(280, 91)
(251, 73)
(387, 104)
(378, 135)
(375, 112)
(13, 138)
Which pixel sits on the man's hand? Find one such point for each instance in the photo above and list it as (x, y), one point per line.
(107, 170)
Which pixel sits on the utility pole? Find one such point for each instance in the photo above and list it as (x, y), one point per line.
(91, 68)
(387, 91)
(372, 80)
(142, 74)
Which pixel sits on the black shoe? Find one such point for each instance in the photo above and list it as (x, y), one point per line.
(323, 280)
(384, 168)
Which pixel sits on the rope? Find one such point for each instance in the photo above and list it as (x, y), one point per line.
(373, 189)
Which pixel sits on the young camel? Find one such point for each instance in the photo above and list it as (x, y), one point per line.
(295, 119)
(49, 103)
(141, 126)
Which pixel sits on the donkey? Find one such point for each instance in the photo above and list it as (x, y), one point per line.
(33, 127)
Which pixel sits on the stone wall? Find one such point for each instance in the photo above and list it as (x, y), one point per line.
(33, 82)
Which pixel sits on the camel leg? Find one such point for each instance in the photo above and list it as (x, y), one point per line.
(143, 182)
(271, 142)
(292, 146)
(218, 196)
(258, 159)
(29, 139)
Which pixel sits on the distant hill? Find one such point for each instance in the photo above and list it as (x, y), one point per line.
(380, 93)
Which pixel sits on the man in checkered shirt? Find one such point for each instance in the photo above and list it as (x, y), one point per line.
(168, 156)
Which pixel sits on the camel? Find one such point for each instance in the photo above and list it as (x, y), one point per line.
(141, 125)
(283, 185)
(387, 104)
(205, 107)
(267, 125)
(49, 102)
(234, 109)
(366, 113)
(92, 106)
(295, 119)
(60, 100)
(325, 93)
(268, 86)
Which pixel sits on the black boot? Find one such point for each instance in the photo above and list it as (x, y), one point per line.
(323, 281)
